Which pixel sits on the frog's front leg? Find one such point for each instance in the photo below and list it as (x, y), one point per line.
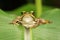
(43, 21)
(40, 21)
(16, 20)
(36, 23)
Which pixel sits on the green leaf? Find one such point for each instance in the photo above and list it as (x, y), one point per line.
(49, 31)
(8, 31)
(43, 32)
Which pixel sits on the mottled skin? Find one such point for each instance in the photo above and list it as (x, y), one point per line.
(28, 20)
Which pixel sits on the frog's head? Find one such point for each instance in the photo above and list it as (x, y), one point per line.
(27, 13)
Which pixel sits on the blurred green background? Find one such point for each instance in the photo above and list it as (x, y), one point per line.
(10, 9)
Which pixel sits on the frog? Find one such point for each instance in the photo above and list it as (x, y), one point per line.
(28, 20)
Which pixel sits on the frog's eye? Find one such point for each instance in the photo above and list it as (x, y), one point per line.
(23, 12)
(32, 12)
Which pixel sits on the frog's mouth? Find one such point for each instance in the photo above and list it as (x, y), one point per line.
(28, 25)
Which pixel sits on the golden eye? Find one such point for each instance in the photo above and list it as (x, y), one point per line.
(23, 12)
(32, 12)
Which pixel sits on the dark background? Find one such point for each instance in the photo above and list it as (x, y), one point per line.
(12, 4)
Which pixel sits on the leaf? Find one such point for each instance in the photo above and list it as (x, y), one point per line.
(49, 31)
(43, 32)
(8, 31)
